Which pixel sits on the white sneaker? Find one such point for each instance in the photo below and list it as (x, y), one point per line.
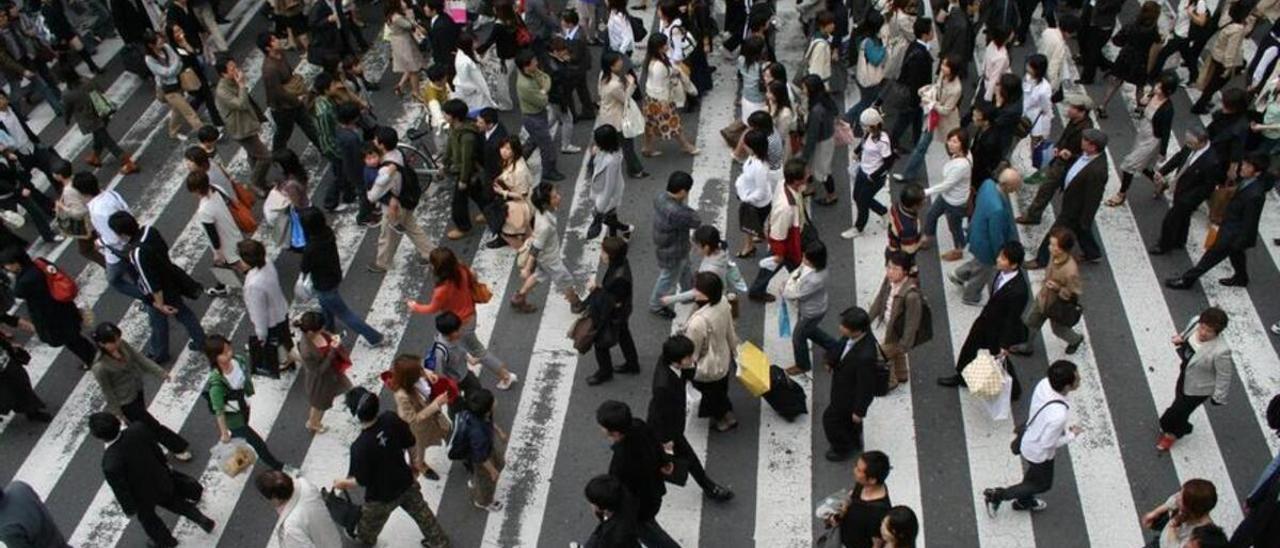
(570, 149)
(850, 233)
(292, 471)
(184, 456)
(494, 506)
(1275, 328)
(505, 384)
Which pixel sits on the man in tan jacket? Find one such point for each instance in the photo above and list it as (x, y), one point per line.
(900, 305)
(242, 117)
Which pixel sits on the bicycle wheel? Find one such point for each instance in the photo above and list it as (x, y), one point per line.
(419, 162)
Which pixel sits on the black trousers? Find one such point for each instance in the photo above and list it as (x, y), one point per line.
(1044, 195)
(1036, 479)
(285, 120)
(459, 211)
(1174, 420)
(82, 348)
(579, 89)
(136, 411)
(1215, 255)
(1176, 223)
(715, 397)
(844, 435)
(1179, 45)
(631, 360)
(1091, 41)
(911, 118)
(683, 451)
(16, 393)
(969, 351)
(735, 22)
(156, 530)
(340, 189)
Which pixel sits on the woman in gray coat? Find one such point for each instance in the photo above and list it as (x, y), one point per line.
(607, 183)
(1206, 374)
(324, 371)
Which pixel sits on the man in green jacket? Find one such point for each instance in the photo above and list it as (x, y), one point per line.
(119, 371)
(462, 160)
(532, 86)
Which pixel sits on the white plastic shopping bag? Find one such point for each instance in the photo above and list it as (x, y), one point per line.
(999, 407)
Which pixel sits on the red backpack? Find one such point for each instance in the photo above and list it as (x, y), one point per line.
(61, 286)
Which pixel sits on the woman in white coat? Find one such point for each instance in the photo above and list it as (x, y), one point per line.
(711, 329)
(304, 520)
(468, 79)
(1037, 93)
(754, 188)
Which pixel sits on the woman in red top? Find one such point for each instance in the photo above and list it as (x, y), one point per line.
(453, 293)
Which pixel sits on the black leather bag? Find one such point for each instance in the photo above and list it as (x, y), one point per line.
(344, 512)
(1016, 445)
(1065, 312)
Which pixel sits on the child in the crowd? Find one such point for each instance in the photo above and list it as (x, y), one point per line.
(373, 164)
(904, 224)
(478, 442)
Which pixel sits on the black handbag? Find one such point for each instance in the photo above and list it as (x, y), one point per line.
(344, 512)
(1016, 445)
(1065, 312)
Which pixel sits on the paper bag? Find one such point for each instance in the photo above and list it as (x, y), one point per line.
(753, 369)
(234, 456)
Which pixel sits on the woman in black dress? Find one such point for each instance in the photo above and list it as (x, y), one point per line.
(1135, 41)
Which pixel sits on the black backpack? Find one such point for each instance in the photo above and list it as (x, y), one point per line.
(410, 188)
(785, 396)
(924, 333)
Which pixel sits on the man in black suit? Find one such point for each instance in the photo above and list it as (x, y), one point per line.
(1199, 170)
(917, 72)
(1239, 229)
(442, 33)
(494, 134)
(1066, 151)
(135, 468)
(853, 384)
(610, 504)
(578, 66)
(163, 285)
(1098, 22)
(957, 36)
(999, 326)
(641, 465)
(1083, 185)
(667, 409)
(131, 20)
(328, 39)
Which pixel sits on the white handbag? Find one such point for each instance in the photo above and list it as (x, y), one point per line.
(303, 290)
(984, 376)
(632, 120)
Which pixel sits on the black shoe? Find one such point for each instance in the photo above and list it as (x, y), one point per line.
(992, 499)
(664, 313)
(952, 380)
(597, 378)
(431, 474)
(761, 297)
(39, 416)
(629, 369)
(552, 176)
(207, 524)
(1073, 347)
(496, 243)
(1234, 281)
(839, 456)
(1199, 110)
(1157, 250)
(1036, 505)
(718, 493)
(1179, 283)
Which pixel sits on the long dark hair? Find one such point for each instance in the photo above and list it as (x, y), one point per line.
(445, 266)
(654, 50)
(817, 92)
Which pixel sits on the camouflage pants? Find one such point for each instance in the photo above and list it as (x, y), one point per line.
(375, 513)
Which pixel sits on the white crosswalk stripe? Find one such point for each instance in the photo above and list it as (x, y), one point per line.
(783, 459)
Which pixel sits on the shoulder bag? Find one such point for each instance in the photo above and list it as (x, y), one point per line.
(1065, 312)
(1016, 445)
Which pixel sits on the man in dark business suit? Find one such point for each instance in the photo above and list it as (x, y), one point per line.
(1098, 22)
(494, 135)
(999, 326)
(917, 72)
(138, 474)
(442, 33)
(1066, 151)
(667, 409)
(1239, 229)
(1083, 185)
(1199, 170)
(328, 36)
(853, 384)
(612, 506)
(641, 465)
(957, 36)
(578, 66)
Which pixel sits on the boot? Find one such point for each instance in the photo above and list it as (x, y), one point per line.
(127, 165)
(92, 159)
(575, 302)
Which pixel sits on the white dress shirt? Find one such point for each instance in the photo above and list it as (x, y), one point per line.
(13, 126)
(101, 207)
(1048, 431)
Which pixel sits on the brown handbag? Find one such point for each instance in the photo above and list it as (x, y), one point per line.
(189, 80)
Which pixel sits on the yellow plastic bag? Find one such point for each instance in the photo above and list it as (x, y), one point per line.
(753, 369)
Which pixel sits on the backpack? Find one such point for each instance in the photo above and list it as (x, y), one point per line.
(458, 447)
(638, 31)
(61, 286)
(410, 188)
(430, 362)
(785, 396)
(924, 332)
(874, 51)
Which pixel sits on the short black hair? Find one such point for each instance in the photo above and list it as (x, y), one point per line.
(124, 224)
(363, 404)
(455, 108)
(86, 183)
(856, 319)
(221, 63)
(264, 40)
(900, 259)
(252, 253)
(614, 416)
(795, 170)
(274, 485)
(605, 492)
(676, 348)
(489, 115)
(912, 195)
(1273, 413)
(922, 27)
(1062, 374)
(524, 58)
(569, 16)
(1261, 161)
(709, 284)
(1013, 252)
(437, 72)
(104, 426)
(479, 401)
(679, 181)
(448, 323)
(607, 138)
(1215, 318)
(1210, 536)
(877, 465)
(387, 137)
(816, 254)
(208, 133)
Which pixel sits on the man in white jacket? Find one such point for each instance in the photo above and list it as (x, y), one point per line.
(304, 520)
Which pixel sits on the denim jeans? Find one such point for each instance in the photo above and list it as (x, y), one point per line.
(539, 129)
(866, 97)
(809, 329)
(915, 162)
(334, 308)
(158, 344)
(667, 278)
(955, 220)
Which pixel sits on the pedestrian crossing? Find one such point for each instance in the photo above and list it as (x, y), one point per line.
(942, 458)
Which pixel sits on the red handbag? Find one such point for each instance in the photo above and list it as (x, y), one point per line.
(341, 362)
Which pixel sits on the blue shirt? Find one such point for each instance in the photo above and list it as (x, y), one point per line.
(1076, 168)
